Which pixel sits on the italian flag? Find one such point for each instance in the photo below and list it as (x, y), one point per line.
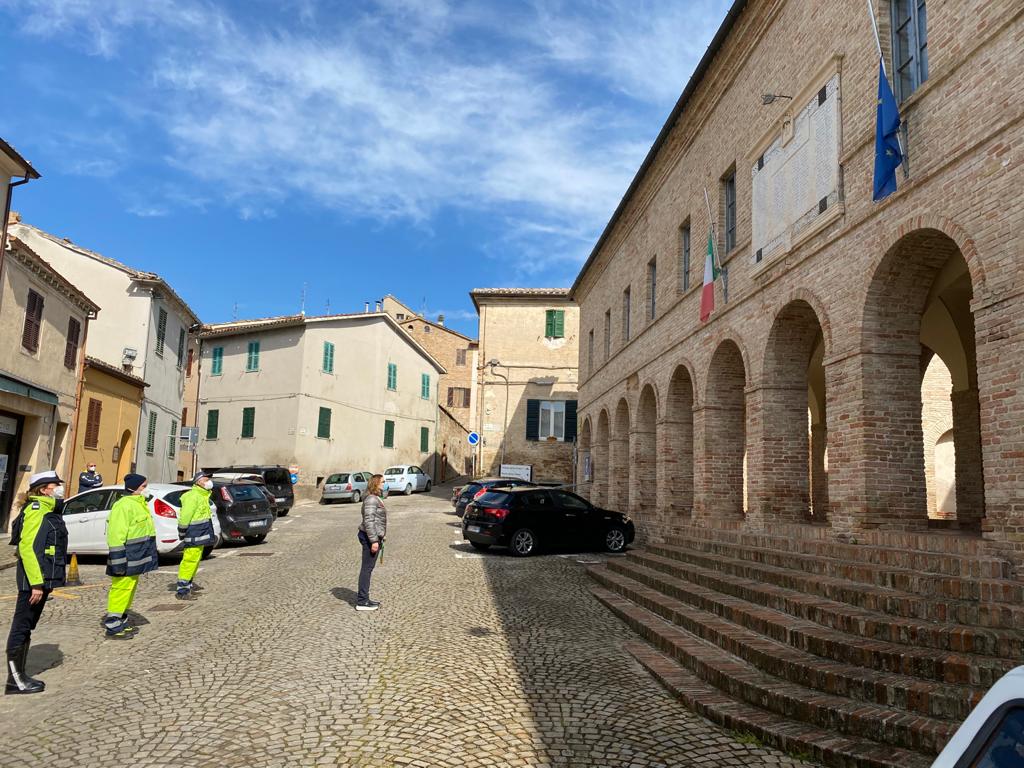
(707, 295)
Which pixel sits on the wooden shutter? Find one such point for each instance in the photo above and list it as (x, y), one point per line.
(389, 434)
(451, 396)
(549, 323)
(424, 439)
(460, 357)
(248, 422)
(218, 361)
(151, 435)
(33, 322)
(533, 419)
(92, 423)
(465, 397)
(172, 440)
(253, 362)
(570, 420)
(188, 365)
(212, 424)
(559, 324)
(161, 332)
(71, 348)
(323, 427)
(425, 386)
(181, 348)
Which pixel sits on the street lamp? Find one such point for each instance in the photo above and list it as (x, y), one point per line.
(493, 363)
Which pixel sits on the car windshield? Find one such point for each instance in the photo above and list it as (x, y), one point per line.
(337, 479)
(246, 493)
(394, 471)
(494, 499)
(277, 475)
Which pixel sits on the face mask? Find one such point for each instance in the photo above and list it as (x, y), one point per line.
(92, 470)
(207, 485)
(58, 492)
(141, 491)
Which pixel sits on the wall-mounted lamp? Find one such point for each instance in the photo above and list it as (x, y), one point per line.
(768, 98)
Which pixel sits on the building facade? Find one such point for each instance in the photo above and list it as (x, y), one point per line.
(144, 331)
(46, 319)
(801, 398)
(327, 394)
(527, 379)
(187, 465)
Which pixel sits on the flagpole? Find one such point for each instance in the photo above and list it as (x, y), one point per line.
(714, 249)
(881, 59)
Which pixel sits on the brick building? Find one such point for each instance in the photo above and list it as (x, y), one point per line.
(804, 416)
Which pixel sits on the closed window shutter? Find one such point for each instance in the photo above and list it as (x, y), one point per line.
(465, 398)
(323, 427)
(248, 422)
(392, 376)
(181, 348)
(33, 322)
(559, 329)
(218, 361)
(188, 365)
(424, 439)
(389, 434)
(172, 440)
(151, 435)
(425, 386)
(549, 323)
(71, 349)
(533, 419)
(161, 332)
(570, 420)
(253, 363)
(451, 396)
(328, 357)
(92, 423)
(212, 424)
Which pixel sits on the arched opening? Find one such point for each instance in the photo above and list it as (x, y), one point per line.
(645, 452)
(124, 455)
(679, 455)
(619, 470)
(919, 305)
(599, 461)
(584, 467)
(936, 426)
(725, 433)
(795, 436)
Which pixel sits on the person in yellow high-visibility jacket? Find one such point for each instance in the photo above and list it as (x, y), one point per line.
(131, 537)
(195, 529)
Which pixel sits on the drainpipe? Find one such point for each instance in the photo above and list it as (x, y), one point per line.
(70, 466)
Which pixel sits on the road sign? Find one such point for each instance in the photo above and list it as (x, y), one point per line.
(473, 438)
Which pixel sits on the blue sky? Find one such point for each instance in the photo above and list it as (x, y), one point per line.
(414, 147)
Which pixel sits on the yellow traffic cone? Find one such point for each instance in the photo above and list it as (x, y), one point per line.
(73, 579)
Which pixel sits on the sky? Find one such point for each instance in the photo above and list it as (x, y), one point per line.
(255, 151)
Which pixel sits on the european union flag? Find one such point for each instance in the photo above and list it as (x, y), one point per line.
(888, 155)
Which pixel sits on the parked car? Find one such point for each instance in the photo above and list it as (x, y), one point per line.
(528, 518)
(462, 495)
(86, 515)
(345, 486)
(244, 510)
(992, 734)
(406, 478)
(277, 479)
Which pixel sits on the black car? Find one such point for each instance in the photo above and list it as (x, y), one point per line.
(462, 496)
(243, 509)
(278, 481)
(524, 519)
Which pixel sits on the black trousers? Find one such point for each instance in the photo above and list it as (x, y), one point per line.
(26, 616)
(369, 560)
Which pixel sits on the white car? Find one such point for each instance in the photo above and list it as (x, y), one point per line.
(406, 478)
(87, 513)
(992, 736)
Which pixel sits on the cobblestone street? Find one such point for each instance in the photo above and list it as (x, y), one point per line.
(474, 660)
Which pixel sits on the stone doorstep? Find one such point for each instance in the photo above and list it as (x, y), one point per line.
(925, 697)
(871, 597)
(795, 702)
(824, 746)
(905, 580)
(843, 617)
(941, 666)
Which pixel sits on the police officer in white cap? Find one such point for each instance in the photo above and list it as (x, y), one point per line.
(41, 537)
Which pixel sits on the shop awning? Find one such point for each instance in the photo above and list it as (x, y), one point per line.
(15, 387)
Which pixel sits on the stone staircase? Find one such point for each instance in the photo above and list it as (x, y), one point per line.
(864, 655)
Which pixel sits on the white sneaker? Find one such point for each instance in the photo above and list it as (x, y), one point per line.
(371, 606)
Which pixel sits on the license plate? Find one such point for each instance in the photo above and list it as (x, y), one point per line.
(473, 529)
(258, 524)
(281, 499)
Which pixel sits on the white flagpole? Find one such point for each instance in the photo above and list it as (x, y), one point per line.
(881, 58)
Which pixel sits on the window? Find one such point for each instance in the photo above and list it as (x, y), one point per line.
(400, 315)
(389, 433)
(590, 351)
(92, 423)
(151, 435)
(425, 386)
(909, 45)
(71, 348)
(161, 332)
(184, 416)
(328, 366)
(684, 256)
(1000, 748)
(392, 376)
(460, 356)
(248, 422)
(567, 500)
(607, 334)
(729, 188)
(323, 424)
(217, 367)
(188, 364)
(554, 324)
(252, 361)
(551, 419)
(424, 439)
(181, 348)
(426, 328)
(33, 322)
(458, 397)
(212, 424)
(172, 440)
(626, 310)
(652, 288)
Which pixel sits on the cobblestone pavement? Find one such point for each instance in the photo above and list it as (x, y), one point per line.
(474, 660)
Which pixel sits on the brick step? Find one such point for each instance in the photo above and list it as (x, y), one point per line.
(748, 684)
(842, 617)
(823, 745)
(971, 565)
(654, 592)
(905, 580)
(870, 597)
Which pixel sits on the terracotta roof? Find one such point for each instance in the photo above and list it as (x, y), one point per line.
(19, 246)
(413, 315)
(113, 370)
(12, 153)
(556, 293)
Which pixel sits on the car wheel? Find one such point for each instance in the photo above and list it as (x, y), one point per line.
(325, 502)
(283, 513)
(356, 497)
(408, 489)
(615, 539)
(256, 539)
(523, 542)
(427, 489)
(478, 545)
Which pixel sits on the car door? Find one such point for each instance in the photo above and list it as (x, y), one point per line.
(419, 478)
(576, 518)
(85, 516)
(539, 514)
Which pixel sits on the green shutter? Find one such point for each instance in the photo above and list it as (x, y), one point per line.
(424, 439)
(212, 424)
(181, 348)
(323, 426)
(392, 376)
(173, 439)
(328, 357)
(425, 386)
(252, 363)
(218, 361)
(389, 434)
(161, 332)
(549, 323)
(559, 324)
(248, 422)
(151, 435)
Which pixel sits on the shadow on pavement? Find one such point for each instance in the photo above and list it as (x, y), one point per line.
(43, 657)
(344, 594)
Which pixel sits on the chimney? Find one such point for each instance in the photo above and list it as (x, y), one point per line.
(440, 319)
(376, 306)
(366, 307)
(14, 217)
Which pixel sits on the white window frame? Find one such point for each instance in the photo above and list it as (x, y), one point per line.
(547, 422)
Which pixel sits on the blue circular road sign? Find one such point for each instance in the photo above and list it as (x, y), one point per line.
(473, 438)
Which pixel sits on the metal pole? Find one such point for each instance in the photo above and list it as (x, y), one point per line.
(881, 59)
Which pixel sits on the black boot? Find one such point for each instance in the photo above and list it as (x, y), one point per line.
(17, 680)
(24, 665)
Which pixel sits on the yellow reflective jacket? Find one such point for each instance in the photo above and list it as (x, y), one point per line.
(195, 506)
(131, 537)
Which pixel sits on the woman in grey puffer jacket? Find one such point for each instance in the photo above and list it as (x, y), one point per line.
(372, 531)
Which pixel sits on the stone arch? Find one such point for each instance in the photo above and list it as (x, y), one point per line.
(644, 451)
(725, 433)
(944, 226)
(793, 411)
(919, 301)
(584, 471)
(728, 335)
(619, 470)
(678, 445)
(599, 460)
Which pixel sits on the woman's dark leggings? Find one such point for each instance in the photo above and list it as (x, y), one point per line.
(26, 616)
(369, 560)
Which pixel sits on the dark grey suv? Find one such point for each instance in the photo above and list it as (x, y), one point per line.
(277, 479)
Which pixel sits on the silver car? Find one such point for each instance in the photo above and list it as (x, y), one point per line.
(406, 478)
(345, 486)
